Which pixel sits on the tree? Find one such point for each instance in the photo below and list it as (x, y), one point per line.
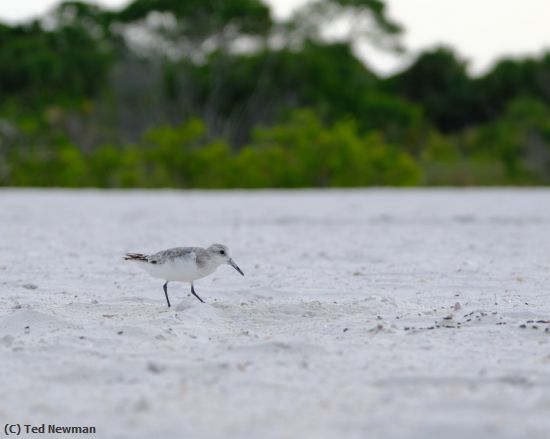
(366, 21)
(438, 80)
(194, 28)
(65, 63)
(511, 79)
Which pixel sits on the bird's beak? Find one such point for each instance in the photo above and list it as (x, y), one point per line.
(235, 266)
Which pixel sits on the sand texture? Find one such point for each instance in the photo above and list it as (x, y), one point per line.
(363, 314)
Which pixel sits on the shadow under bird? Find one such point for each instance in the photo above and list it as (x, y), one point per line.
(184, 264)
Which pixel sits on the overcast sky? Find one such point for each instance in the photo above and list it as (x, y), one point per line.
(481, 30)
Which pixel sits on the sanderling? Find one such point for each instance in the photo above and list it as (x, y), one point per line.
(184, 264)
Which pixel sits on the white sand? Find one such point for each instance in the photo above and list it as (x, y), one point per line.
(310, 344)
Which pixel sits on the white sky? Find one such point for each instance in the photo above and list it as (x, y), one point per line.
(481, 30)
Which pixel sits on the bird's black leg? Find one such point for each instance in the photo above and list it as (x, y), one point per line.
(165, 287)
(195, 294)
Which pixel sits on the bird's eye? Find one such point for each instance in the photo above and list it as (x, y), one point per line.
(222, 252)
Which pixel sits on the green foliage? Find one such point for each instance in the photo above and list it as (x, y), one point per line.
(510, 80)
(304, 153)
(41, 66)
(301, 152)
(326, 78)
(439, 82)
(202, 18)
(83, 102)
(514, 149)
(521, 140)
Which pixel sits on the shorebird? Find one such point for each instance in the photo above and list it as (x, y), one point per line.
(184, 264)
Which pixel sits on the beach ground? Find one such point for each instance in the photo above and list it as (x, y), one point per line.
(363, 314)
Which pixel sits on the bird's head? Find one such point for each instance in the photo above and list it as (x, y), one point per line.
(221, 254)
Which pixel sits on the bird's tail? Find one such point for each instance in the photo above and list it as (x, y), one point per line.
(135, 257)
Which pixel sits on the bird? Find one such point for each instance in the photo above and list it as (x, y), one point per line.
(184, 264)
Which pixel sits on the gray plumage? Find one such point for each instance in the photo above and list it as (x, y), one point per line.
(198, 254)
(184, 264)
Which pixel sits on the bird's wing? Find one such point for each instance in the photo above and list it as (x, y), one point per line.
(171, 254)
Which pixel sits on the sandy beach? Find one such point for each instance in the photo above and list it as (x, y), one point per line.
(363, 314)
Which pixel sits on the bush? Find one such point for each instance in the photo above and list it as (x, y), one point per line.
(304, 153)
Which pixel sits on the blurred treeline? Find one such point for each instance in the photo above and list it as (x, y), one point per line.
(216, 94)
